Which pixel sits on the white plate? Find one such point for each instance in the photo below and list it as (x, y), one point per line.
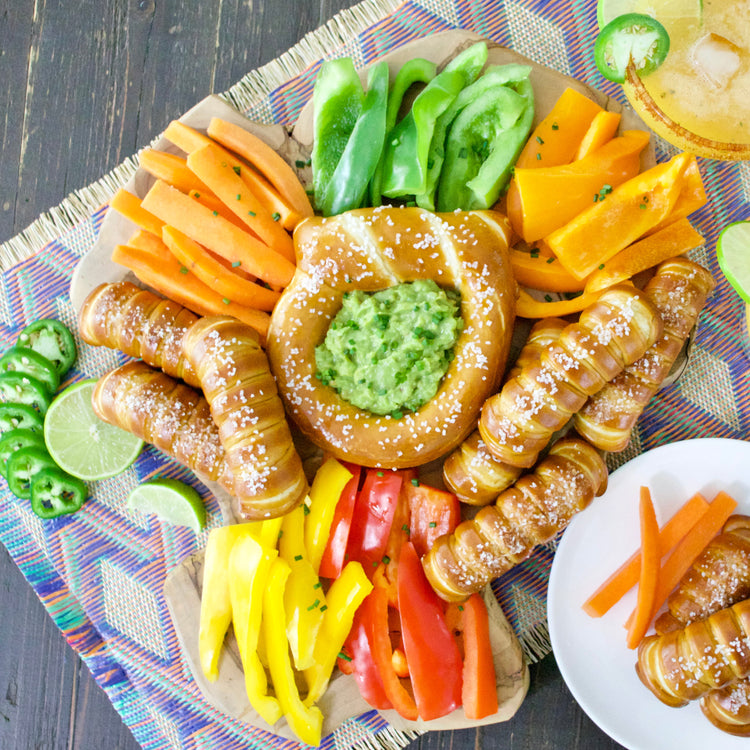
(591, 652)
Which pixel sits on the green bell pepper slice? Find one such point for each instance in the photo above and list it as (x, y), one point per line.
(494, 77)
(23, 466)
(24, 359)
(53, 340)
(338, 98)
(482, 145)
(416, 70)
(20, 388)
(13, 441)
(407, 149)
(20, 416)
(56, 493)
(348, 185)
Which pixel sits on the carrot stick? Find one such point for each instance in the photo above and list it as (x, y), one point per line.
(184, 137)
(265, 160)
(217, 234)
(649, 578)
(214, 204)
(189, 140)
(207, 163)
(479, 687)
(626, 576)
(692, 544)
(129, 206)
(230, 286)
(152, 243)
(164, 273)
(171, 168)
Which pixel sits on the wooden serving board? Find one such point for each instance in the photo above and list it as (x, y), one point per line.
(182, 590)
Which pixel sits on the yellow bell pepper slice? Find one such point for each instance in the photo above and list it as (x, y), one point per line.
(344, 596)
(304, 600)
(216, 605)
(628, 212)
(306, 722)
(249, 566)
(329, 483)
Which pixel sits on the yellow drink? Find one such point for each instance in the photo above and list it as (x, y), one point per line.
(699, 99)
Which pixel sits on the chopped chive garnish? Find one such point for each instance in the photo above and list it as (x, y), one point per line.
(550, 260)
(236, 170)
(298, 557)
(405, 528)
(460, 607)
(275, 215)
(555, 126)
(415, 482)
(433, 524)
(386, 560)
(539, 141)
(183, 269)
(251, 213)
(306, 509)
(324, 608)
(226, 301)
(239, 196)
(215, 213)
(317, 585)
(380, 473)
(237, 264)
(344, 656)
(539, 157)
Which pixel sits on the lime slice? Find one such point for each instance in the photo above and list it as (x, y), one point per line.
(171, 500)
(607, 10)
(80, 442)
(733, 254)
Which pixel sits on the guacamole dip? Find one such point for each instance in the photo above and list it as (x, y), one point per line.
(385, 352)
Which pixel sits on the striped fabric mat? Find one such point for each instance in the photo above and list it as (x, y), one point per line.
(100, 573)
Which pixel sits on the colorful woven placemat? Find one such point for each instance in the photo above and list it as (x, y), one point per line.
(100, 573)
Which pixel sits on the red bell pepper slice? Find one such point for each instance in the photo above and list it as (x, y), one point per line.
(334, 554)
(432, 513)
(479, 681)
(363, 666)
(433, 656)
(374, 510)
(382, 652)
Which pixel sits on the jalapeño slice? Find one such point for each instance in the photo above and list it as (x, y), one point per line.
(20, 416)
(22, 467)
(635, 38)
(23, 359)
(55, 493)
(13, 441)
(20, 388)
(53, 340)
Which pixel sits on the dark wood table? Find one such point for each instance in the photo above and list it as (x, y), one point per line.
(84, 85)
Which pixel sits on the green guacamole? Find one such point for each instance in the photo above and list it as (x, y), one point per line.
(385, 352)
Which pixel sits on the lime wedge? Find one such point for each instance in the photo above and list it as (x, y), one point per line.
(733, 254)
(171, 500)
(80, 442)
(607, 10)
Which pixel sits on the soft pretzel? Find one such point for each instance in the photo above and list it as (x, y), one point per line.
(537, 507)
(719, 577)
(678, 290)
(684, 665)
(470, 471)
(236, 380)
(371, 249)
(140, 324)
(613, 332)
(166, 413)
